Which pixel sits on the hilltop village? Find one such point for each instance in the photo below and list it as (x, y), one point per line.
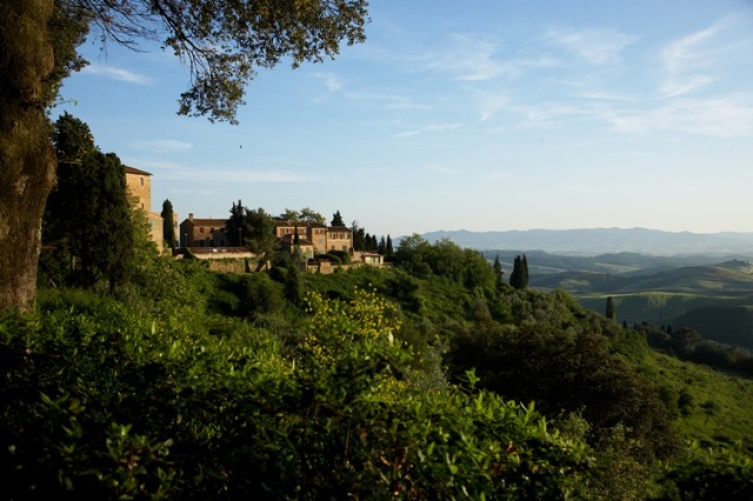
(318, 246)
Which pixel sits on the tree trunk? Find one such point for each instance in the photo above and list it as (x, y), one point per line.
(27, 158)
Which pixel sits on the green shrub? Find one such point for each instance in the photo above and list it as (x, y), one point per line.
(98, 401)
(706, 474)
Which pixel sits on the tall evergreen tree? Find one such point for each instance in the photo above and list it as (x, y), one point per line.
(292, 285)
(168, 229)
(498, 272)
(337, 219)
(234, 226)
(610, 309)
(367, 242)
(389, 250)
(382, 247)
(359, 237)
(88, 225)
(519, 275)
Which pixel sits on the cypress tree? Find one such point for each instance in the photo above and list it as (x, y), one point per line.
(519, 275)
(337, 219)
(89, 220)
(389, 251)
(498, 272)
(610, 310)
(168, 230)
(234, 225)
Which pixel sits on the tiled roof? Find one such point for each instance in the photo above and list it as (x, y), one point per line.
(300, 224)
(217, 223)
(133, 170)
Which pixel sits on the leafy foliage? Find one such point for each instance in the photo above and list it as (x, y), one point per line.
(337, 219)
(519, 275)
(168, 228)
(192, 385)
(146, 407)
(89, 227)
(251, 228)
(705, 474)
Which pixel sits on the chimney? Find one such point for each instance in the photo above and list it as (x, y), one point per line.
(190, 217)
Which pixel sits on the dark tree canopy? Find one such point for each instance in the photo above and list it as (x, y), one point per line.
(235, 223)
(255, 228)
(499, 273)
(610, 309)
(309, 215)
(389, 250)
(223, 42)
(168, 228)
(519, 275)
(337, 219)
(88, 227)
(260, 227)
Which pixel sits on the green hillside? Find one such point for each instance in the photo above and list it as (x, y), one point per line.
(427, 379)
(712, 299)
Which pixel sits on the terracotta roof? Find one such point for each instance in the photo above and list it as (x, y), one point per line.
(217, 223)
(300, 224)
(133, 170)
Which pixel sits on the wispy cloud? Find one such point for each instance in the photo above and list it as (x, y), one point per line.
(389, 101)
(476, 58)
(427, 129)
(148, 164)
(263, 176)
(213, 175)
(728, 117)
(331, 81)
(242, 176)
(689, 61)
(119, 74)
(525, 115)
(493, 103)
(595, 45)
(164, 146)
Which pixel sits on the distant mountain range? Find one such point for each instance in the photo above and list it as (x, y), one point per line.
(602, 240)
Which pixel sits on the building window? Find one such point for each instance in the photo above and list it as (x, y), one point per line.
(201, 229)
(142, 181)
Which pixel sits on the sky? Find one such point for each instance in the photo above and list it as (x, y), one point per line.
(487, 115)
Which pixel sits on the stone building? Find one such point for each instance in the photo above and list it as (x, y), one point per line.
(319, 237)
(196, 232)
(139, 185)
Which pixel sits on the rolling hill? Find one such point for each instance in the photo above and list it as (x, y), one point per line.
(602, 240)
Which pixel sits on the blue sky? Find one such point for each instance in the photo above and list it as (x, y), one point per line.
(482, 115)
